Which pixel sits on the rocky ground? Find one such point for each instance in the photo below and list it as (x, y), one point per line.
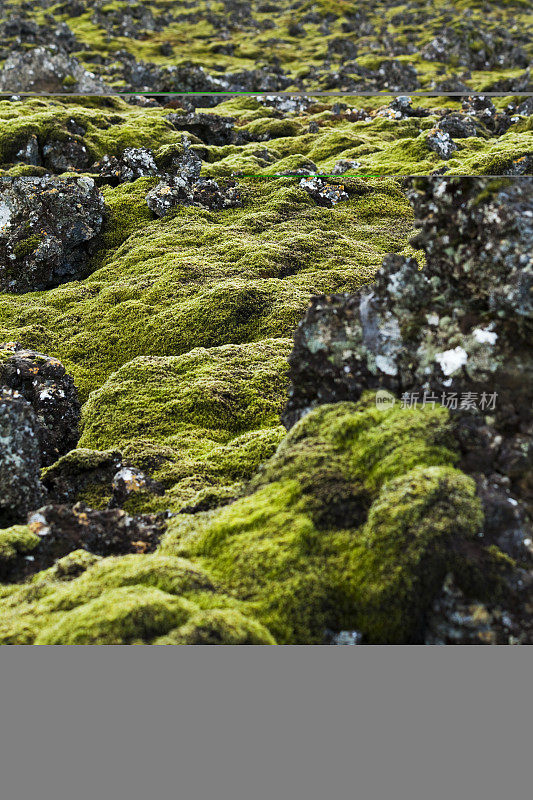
(165, 46)
(265, 358)
(117, 140)
(177, 469)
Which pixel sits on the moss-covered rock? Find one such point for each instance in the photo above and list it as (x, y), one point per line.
(113, 140)
(203, 279)
(353, 524)
(15, 543)
(330, 44)
(202, 421)
(127, 600)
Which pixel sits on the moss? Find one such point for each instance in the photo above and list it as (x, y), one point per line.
(303, 45)
(119, 616)
(109, 127)
(125, 600)
(274, 128)
(200, 421)
(24, 247)
(409, 539)
(217, 626)
(16, 541)
(350, 525)
(200, 278)
(380, 143)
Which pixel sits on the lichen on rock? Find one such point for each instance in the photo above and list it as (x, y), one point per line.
(48, 231)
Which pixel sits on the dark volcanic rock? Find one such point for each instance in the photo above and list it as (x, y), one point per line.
(45, 384)
(324, 194)
(25, 31)
(475, 48)
(64, 156)
(455, 619)
(43, 70)
(345, 165)
(203, 192)
(20, 489)
(459, 328)
(29, 153)
(397, 76)
(210, 128)
(458, 126)
(441, 143)
(135, 162)
(128, 481)
(47, 231)
(403, 106)
(111, 532)
(185, 187)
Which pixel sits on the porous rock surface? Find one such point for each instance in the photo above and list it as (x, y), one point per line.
(20, 488)
(48, 231)
(45, 384)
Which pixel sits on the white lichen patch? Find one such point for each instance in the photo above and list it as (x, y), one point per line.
(38, 524)
(485, 336)
(5, 215)
(451, 360)
(386, 365)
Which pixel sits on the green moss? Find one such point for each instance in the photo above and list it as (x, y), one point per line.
(118, 616)
(24, 247)
(197, 422)
(409, 541)
(384, 145)
(218, 626)
(109, 126)
(351, 525)
(125, 600)
(15, 541)
(200, 278)
(302, 43)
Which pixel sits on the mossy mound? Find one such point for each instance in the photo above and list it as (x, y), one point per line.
(68, 135)
(198, 281)
(147, 599)
(15, 542)
(103, 126)
(200, 422)
(353, 524)
(202, 279)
